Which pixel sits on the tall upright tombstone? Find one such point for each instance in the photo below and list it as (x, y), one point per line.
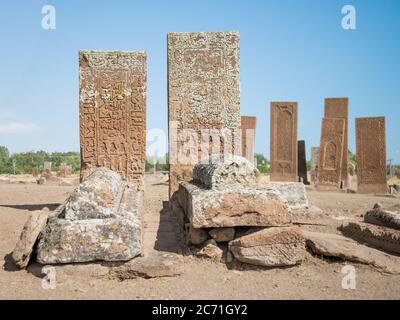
(314, 163)
(283, 146)
(338, 108)
(203, 99)
(113, 112)
(331, 153)
(371, 155)
(248, 137)
(302, 161)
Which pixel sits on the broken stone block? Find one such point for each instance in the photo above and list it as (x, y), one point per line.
(231, 207)
(66, 241)
(102, 220)
(97, 197)
(210, 250)
(35, 224)
(222, 234)
(270, 247)
(381, 217)
(335, 245)
(225, 171)
(195, 236)
(376, 236)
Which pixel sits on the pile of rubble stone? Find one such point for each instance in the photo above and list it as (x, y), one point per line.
(101, 220)
(225, 204)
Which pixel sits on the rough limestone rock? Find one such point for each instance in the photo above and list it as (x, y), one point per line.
(97, 197)
(102, 220)
(376, 236)
(220, 171)
(210, 250)
(335, 245)
(195, 236)
(35, 224)
(222, 234)
(66, 241)
(383, 218)
(270, 247)
(231, 207)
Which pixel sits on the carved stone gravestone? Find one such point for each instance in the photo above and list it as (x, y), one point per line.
(331, 153)
(113, 112)
(248, 137)
(203, 99)
(314, 163)
(283, 145)
(339, 108)
(371, 155)
(302, 162)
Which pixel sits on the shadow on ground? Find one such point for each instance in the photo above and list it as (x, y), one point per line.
(31, 207)
(166, 234)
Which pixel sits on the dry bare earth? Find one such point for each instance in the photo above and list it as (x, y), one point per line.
(197, 279)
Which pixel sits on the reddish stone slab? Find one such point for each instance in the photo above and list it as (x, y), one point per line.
(248, 137)
(331, 153)
(338, 108)
(113, 112)
(203, 99)
(302, 161)
(283, 146)
(371, 155)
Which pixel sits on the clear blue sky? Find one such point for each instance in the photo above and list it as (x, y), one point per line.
(290, 50)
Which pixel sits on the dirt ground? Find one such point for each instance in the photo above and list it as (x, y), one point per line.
(315, 278)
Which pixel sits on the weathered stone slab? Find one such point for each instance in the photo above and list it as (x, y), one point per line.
(314, 157)
(334, 245)
(35, 224)
(383, 218)
(232, 207)
(371, 155)
(203, 99)
(283, 145)
(113, 112)
(302, 162)
(331, 153)
(338, 108)
(148, 267)
(314, 163)
(270, 247)
(376, 236)
(248, 125)
(66, 241)
(220, 172)
(236, 206)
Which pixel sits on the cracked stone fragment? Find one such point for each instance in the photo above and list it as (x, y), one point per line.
(233, 207)
(270, 247)
(97, 197)
(225, 171)
(35, 224)
(376, 236)
(66, 241)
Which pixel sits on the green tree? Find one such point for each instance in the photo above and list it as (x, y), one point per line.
(262, 163)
